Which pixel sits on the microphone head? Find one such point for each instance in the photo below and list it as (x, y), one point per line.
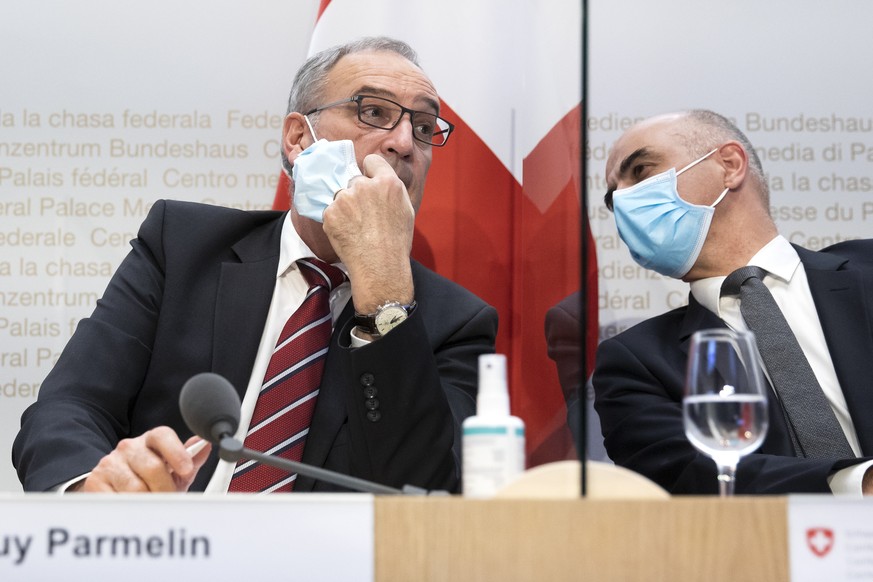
(210, 406)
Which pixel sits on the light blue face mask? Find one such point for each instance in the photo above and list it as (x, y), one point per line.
(663, 232)
(319, 172)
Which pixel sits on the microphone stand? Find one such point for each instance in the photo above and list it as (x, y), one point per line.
(230, 449)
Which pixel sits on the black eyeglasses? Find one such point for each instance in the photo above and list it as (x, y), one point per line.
(386, 114)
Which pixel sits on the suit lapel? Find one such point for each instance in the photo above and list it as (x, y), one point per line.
(697, 317)
(843, 309)
(245, 290)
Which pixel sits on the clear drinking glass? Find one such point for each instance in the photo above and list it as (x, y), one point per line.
(725, 407)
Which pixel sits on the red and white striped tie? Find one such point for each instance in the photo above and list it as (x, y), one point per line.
(286, 402)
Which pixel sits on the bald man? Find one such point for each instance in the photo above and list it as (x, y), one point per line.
(691, 202)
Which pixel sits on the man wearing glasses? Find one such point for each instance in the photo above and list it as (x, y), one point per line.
(211, 289)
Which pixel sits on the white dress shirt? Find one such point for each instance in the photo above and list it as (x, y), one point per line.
(787, 282)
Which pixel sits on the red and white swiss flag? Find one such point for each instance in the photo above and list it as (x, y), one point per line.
(501, 209)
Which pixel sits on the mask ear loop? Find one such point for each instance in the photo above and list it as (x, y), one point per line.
(720, 198)
(312, 131)
(697, 161)
(692, 164)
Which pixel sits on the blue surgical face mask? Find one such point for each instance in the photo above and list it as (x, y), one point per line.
(663, 232)
(319, 172)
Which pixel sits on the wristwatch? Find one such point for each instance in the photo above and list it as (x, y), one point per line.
(387, 317)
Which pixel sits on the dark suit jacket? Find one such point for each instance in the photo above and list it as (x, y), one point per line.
(639, 377)
(564, 345)
(563, 327)
(192, 296)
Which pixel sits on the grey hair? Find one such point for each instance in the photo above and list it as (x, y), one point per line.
(310, 82)
(710, 129)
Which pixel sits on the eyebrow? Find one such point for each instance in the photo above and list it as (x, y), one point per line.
(376, 92)
(641, 153)
(626, 163)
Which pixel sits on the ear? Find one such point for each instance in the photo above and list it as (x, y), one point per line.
(295, 135)
(735, 162)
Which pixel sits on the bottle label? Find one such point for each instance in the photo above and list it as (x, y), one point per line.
(493, 430)
(492, 457)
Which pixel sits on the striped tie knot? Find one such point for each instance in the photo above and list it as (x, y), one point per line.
(320, 274)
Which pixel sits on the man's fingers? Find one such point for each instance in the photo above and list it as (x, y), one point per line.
(114, 473)
(151, 465)
(200, 450)
(375, 165)
(166, 445)
(154, 461)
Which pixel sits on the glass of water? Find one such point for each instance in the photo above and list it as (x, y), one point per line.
(725, 407)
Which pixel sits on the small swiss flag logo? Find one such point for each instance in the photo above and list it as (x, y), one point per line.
(820, 540)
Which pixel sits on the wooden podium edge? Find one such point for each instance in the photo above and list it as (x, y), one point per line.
(685, 538)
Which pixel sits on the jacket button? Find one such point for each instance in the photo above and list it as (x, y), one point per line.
(367, 379)
(374, 416)
(371, 404)
(370, 391)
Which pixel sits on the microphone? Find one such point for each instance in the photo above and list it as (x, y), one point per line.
(210, 407)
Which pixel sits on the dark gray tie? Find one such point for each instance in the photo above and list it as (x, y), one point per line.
(816, 433)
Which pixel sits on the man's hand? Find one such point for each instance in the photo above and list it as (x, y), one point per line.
(155, 461)
(370, 227)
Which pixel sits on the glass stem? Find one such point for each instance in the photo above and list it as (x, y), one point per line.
(726, 479)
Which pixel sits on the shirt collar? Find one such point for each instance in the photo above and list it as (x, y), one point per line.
(292, 248)
(777, 257)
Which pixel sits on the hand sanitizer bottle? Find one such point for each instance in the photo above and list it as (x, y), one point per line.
(493, 440)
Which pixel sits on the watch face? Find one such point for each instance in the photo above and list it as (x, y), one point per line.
(390, 317)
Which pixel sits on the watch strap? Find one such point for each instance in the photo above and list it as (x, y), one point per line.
(367, 322)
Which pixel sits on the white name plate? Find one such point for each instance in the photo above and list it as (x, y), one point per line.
(830, 538)
(134, 538)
